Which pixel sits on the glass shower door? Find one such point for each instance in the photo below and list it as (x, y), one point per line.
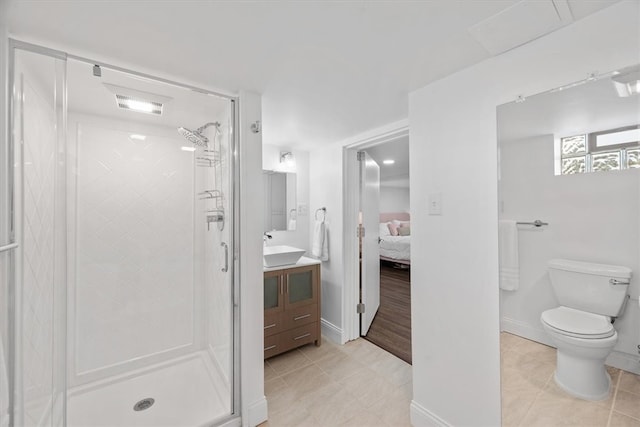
(120, 198)
(39, 227)
(150, 227)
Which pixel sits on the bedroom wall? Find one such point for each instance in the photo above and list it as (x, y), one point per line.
(394, 199)
(529, 190)
(271, 161)
(456, 328)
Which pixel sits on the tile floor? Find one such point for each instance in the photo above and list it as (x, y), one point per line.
(359, 384)
(530, 396)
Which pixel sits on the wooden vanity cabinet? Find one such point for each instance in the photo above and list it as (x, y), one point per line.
(291, 308)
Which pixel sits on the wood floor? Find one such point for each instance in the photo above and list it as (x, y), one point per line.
(391, 328)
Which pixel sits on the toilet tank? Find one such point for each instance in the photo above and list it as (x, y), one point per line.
(586, 286)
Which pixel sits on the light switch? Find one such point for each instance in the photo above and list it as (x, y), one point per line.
(435, 204)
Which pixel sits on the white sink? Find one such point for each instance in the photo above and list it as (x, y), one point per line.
(275, 256)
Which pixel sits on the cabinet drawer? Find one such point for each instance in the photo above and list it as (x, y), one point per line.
(273, 324)
(299, 336)
(300, 316)
(272, 345)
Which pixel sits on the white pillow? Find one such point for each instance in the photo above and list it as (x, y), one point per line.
(384, 230)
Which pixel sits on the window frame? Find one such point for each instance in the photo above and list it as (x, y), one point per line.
(592, 148)
(592, 139)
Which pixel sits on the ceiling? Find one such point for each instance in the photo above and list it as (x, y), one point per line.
(88, 94)
(326, 70)
(397, 174)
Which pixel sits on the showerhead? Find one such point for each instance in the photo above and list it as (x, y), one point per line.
(195, 136)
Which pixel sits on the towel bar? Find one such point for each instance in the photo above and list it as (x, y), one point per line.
(8, 247)
(536, 223)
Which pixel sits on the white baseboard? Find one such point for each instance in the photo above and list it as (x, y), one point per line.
(233, 422)
(331, 331)
(525, 330)
(422, 417)
(624, 361)
(257, 413)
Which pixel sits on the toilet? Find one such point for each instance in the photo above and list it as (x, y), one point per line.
(590, 297)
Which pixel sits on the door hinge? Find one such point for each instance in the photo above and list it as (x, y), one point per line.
(360, 308)
(361, 156)
(360, 231)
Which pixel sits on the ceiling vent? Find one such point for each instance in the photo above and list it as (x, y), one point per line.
(136, 100)
(521, 23)
(140, 105)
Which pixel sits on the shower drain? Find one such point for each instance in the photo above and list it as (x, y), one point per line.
(144, 404)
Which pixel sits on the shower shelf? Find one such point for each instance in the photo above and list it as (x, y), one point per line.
(208, 159)
(210, 194)
(206, 162)
(210, 156)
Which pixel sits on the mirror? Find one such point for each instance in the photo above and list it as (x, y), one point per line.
(570, 158)
(280, 201)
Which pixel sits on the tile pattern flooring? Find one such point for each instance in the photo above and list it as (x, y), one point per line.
(359, 384)
(530, 396)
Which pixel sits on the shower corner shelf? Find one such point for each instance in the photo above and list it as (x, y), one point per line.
(210, 194)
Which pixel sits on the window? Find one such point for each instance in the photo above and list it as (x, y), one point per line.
(609, 150)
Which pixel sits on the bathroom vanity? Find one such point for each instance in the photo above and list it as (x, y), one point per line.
(291, 306)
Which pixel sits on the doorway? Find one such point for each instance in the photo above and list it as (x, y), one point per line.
(377, 206)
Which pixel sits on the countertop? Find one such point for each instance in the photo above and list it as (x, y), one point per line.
(301, 263)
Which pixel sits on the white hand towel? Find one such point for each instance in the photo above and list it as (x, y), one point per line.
(509, 264)
(320, 245)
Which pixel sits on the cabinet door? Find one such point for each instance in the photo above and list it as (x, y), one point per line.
(301, 286)
(273, 292)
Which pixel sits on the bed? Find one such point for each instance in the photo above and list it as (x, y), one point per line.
(395, 248)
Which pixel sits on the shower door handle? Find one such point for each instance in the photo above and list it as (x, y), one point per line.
(8, 247)
(226, 257)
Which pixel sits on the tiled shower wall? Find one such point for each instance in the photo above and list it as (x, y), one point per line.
(133, 298)
(37, 291)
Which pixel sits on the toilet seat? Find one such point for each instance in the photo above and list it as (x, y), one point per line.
(579, 324)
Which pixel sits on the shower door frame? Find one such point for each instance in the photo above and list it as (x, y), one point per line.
(13, 273)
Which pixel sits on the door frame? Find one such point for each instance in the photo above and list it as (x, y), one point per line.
(351, 203)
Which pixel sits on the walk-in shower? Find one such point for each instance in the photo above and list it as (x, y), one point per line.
(123, 290)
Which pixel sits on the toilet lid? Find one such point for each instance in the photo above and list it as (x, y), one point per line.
(578, 323)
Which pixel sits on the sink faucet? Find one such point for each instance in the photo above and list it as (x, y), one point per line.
(265, 237)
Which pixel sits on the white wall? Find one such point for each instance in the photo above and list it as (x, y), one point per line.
(394, 199)
(592, 217)
(326, 191)
(4, 283)
(271, 161)
(248, 263)
(456, 326)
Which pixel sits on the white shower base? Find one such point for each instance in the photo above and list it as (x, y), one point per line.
(188, 391)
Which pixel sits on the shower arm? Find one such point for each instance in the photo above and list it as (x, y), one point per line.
(203, 127)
